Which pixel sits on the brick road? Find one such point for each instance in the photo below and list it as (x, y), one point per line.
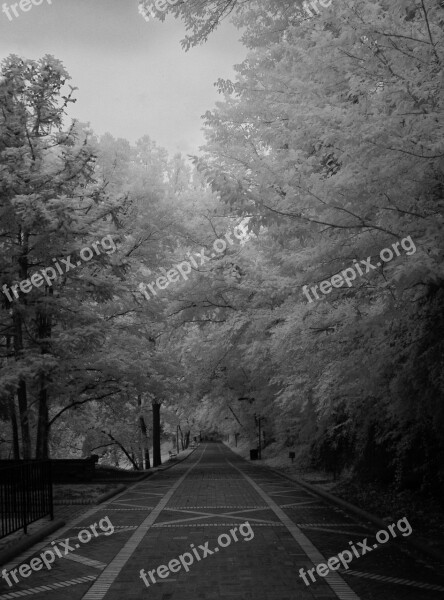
(211, 493)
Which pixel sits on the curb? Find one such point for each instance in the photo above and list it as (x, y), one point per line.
(150, 473)
(14, 550)
(420, 545)
(123, 488)
(110, 494)
(34, 538)
(73, 502)
(165, 468)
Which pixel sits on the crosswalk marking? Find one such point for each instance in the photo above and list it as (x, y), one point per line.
(47, 588)
(397, 580)
(164, 525)
(342, 590)
(101, 586)
(89, 562)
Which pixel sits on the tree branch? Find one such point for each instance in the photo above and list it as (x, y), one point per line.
(130, 458)
(79, 403)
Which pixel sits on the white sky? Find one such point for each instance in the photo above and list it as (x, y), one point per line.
(133, 76)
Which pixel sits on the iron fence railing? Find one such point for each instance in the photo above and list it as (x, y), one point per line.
(25, 494)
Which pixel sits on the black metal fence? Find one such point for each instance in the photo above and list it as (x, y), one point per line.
(25, 494)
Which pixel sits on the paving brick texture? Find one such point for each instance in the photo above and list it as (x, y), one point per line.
(243, 532)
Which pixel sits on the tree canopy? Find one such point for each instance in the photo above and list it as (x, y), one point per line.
(327, 147)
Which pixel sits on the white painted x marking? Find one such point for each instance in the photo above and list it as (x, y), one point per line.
(204, 515)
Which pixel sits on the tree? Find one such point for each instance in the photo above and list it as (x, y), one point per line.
(335, 153)
(51, 209)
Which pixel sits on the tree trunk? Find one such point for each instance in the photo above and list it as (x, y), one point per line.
(157, 460)
(18, 350)
(21, 389)
(12, 413)
(181, 438)
(14, 428)
(146, 452)
(24, 423)
(41, 450)
(144, 434)
(147, 464)
(44, 321)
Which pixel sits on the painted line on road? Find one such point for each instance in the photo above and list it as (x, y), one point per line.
(271, 524)
(215, 507)
(283, 492)
(397, 580)
(328, 530)
(202, 515)
(47, 588)
(123, 504)
(327, 525)
(148, 494)
(85, 517)
(115, 527)
(89, 562)
(342, 590)
(137, 493)
(101, 586)
(309, 503)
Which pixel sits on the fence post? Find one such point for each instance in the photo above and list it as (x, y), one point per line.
(25, 494)
(49, 476)
(23, 473)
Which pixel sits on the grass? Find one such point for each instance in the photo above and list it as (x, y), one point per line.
(425, 514)
(81, 491)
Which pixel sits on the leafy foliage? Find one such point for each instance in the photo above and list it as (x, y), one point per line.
(330, 142)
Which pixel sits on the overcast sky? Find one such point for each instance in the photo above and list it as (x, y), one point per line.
(133, 76)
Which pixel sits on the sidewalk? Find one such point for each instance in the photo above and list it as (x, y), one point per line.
(430, 543)
(69, 512)
(195, 505)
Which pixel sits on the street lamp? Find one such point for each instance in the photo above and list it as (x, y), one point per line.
(257, 421)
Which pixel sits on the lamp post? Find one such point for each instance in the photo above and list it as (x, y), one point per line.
(257, 422)
(157, 460)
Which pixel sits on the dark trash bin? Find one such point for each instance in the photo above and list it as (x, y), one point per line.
(254, 454)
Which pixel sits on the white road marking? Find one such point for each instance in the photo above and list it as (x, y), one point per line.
(123, 504)
(89, 562)
(101, 586)
(342, 590)
(162, 525)
(47, 588)
(85, 517)
(304, 503)
(202, 515)
(397, 580)
(214, 507)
